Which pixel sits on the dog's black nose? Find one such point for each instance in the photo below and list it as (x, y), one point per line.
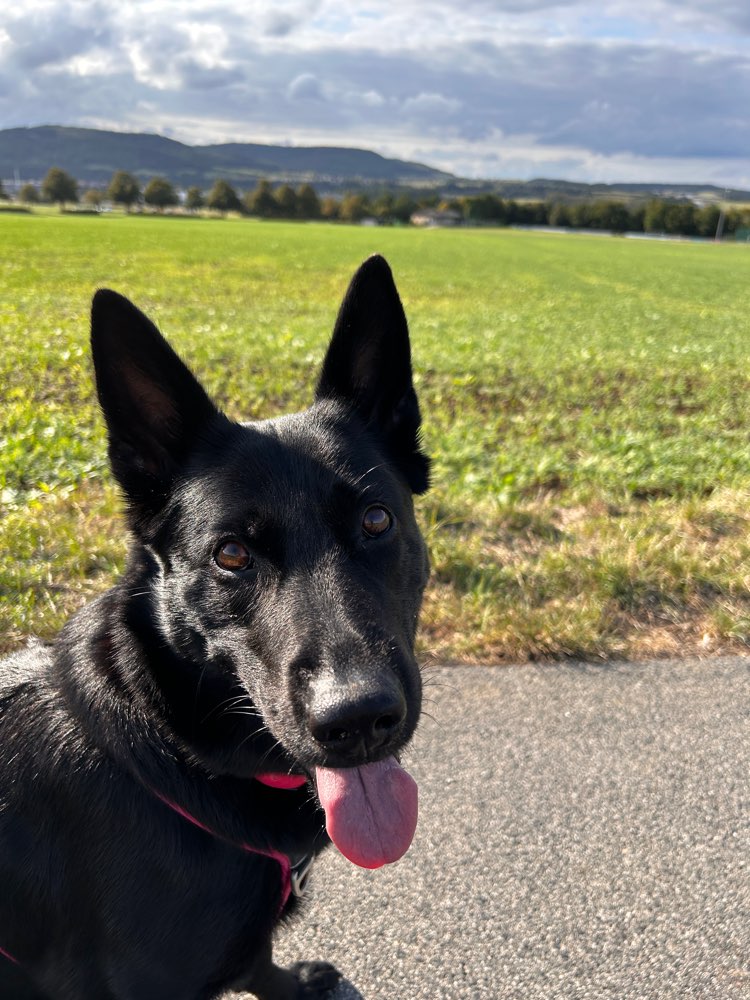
(363, 723)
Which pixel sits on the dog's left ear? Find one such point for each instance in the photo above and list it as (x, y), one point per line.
(368, 366)
(155, 408)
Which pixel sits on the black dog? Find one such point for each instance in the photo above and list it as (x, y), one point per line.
(171, 765)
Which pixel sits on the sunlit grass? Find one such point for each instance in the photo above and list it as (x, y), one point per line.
(585, 400)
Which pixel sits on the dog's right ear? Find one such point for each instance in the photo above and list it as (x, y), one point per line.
(155, 408)
(368, 366)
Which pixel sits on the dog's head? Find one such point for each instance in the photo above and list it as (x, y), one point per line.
(279, 563)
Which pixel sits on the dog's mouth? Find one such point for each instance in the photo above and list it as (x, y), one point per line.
(348, 749)
(371, 810)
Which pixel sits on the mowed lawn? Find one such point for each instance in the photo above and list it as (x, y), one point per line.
(586, 401)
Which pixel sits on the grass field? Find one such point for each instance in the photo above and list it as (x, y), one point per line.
(586, 401)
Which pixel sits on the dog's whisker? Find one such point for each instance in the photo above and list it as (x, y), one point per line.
(364, 475)
(232, 702)
(240, 714)
(196, 703)
(275, 746)
(432, 680)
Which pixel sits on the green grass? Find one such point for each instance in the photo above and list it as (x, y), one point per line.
(585, 401)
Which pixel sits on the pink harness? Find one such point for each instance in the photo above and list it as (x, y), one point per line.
(293, 877)
(282, 859)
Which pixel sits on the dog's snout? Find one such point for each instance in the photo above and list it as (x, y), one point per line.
(358, 724)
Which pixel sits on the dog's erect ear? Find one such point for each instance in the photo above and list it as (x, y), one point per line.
(154, 406)
(368, 365)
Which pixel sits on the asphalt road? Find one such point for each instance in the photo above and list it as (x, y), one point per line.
(584, 833)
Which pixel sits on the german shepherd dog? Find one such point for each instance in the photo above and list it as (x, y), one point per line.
(171, 765)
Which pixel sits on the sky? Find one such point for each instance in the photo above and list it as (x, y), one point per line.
(638, 91)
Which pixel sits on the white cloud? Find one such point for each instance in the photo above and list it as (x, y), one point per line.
(371, 99)
(656, 90)
(430, 105)
(305, 87)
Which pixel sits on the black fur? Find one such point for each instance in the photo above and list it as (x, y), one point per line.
(187, 679)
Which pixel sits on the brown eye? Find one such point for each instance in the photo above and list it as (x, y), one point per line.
(233, 556)
(376, 522)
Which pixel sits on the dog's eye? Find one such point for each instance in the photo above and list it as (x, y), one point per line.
(233, 556)
(376, 522)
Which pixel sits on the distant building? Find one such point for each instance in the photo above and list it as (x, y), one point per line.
(433, 217)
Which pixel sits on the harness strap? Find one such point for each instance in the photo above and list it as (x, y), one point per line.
(293, 876)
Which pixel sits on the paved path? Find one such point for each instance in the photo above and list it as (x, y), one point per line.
(584, 833)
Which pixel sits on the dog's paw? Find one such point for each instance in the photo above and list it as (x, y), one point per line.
(316, 979)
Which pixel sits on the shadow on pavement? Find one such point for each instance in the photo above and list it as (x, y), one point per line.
(346, 991)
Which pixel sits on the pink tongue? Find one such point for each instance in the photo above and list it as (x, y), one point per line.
(371, 811)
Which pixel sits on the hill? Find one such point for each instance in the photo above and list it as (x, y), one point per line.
(546, 189)
(93, 155)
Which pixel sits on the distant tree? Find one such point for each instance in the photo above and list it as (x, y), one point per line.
(4, 196)
(611, 215)
(286, 200)
(308, 203)
(537, 213)
(28, 194)
(194, 199)
(486, 208)
(599, 215)
(679, 219)
(354, 208)
(707, 220)
(462, 206)
(404, 206)
(124, 189)
(577, 213)
(160, 193)
(654, 216)
(382, 206)
(428, 201)
(637, 218)
(391, 207)
(223, 198)
(93, 197)
(261, 202)
(526, 213)
(736, 218)
(512, 212)
(451, 205)
(329, 208)
(558, 214)
(58, 186)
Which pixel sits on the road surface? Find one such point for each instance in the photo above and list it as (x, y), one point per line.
(584, 834)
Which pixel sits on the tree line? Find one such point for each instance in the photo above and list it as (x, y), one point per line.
(658, 215)
(283, 201)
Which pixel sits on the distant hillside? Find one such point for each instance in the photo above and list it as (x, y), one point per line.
(93, 155)
(544, 189)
